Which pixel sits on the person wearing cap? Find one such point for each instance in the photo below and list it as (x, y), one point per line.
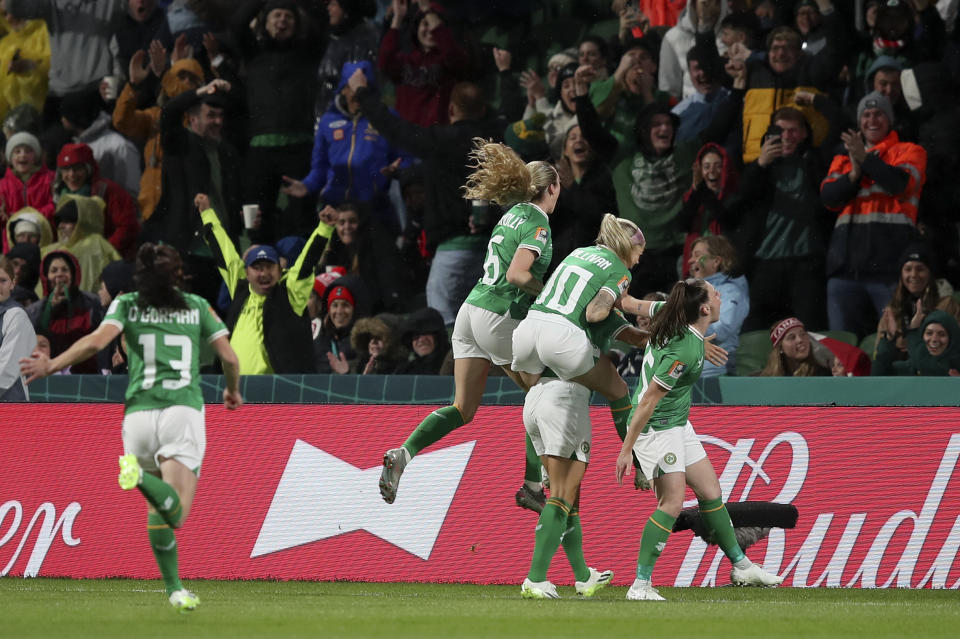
(78, 173)
(425, 70)
(353, 38)
(26, 181)
(351, 159)
(196, 159)
(918, 283)
(80, 230)
(267, 318)
(84, 119)
(281, 53)
(793, 352)
(64, 312)
(332, 347)
(875, 188)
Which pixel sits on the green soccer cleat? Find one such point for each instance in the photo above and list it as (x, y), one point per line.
(130, 472)
(184, 600)
(538, 590)
(595, 583)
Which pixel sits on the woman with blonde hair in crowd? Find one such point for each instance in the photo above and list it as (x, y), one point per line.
(793, 352)
(518, 254)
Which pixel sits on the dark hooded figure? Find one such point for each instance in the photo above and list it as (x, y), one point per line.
(426, 337)
(65, 312)
(933, 349)
(26, 261)
(377, 343)
(353, 38)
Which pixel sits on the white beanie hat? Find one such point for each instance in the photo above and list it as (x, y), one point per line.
(21, 139)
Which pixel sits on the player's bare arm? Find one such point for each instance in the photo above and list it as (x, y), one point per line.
(600, 306)
(39, 365)
(518, 273)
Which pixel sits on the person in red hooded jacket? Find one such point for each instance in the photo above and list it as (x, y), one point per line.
(79, 174)
(65, 313)
(707, 206)
(26, 182)
(425, 75)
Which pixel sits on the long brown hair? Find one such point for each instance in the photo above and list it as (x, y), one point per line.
(681, 309)
(778, 366)
(158, 274)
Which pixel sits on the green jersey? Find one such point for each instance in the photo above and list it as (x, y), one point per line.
(523, 226)
(578, 279)
(675, 367)
(603, 333)
(163, 349)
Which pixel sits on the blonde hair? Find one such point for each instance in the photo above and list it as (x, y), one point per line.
(499, 175)
(616, 233)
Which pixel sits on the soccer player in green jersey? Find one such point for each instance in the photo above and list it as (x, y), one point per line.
(556, 414)
(163, 425)
(518, 255)
(663, 440)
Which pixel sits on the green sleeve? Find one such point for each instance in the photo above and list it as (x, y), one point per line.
(299, 279)
(600, 91)
(211, 325)
(225, 253)
(671, 366)
(117, 311)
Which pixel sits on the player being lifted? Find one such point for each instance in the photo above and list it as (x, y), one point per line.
(661, 437)
(518, 254)
(163, 425)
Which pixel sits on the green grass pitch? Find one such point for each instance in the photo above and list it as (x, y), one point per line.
(134, 609)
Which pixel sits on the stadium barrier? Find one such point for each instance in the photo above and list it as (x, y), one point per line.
(290, 492)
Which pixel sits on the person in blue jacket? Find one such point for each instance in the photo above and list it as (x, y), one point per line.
(714, 259)
(351, 160)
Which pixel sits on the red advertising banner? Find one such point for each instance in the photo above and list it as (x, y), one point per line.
(290, 492)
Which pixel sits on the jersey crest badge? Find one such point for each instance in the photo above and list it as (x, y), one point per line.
(677, 369)
(541, 234)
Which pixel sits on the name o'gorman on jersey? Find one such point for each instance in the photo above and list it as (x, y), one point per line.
(602, 262)
(151, 315)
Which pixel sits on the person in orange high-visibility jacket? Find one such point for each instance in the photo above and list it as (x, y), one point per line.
(876, 188)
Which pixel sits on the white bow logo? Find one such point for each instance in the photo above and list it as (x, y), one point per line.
(321, 496)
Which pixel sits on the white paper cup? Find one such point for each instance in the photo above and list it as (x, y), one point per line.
(250, 212)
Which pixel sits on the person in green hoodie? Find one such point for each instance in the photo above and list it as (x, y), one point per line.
(933, 347)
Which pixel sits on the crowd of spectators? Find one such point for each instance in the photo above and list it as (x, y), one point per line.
(306, 158)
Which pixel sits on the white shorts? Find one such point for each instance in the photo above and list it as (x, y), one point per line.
(556, 415)
(177, 432)
(551, 340)
(668, 451)
(482, 333)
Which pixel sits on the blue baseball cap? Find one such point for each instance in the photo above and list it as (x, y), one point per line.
(264, 252)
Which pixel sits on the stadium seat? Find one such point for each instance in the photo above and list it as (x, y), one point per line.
(841, 336)
(868, 344)
(753, 352)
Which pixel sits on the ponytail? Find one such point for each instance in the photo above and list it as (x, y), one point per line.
(499, 175)
(158, 274)
(681, 309)
(620, 236)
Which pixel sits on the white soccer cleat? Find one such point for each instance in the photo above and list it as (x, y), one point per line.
(184, 600)
(538, 590)
(394, 461)
(755, 575)
(595, 583)
(643, 591)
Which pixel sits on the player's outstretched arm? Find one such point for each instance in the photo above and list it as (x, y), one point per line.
(39, 365)
(231, 371)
